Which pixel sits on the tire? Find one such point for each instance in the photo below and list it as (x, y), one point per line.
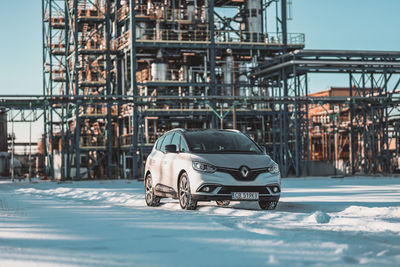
(151, 199)
(222, 203)
(267, 205)
(185, 196)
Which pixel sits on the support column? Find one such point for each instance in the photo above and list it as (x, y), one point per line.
(108, 91)
(135, 166)
(386, 129)
(365, 132)
(64, 111)
(119, 91)
(284, 23)
(297, 124)
(307, 127)
(213, 91)
(45, 3)
(286, 129)
(352, 148)
(76, 74)
(50, 122)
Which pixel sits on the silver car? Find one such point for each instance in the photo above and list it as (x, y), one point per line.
(210, 165)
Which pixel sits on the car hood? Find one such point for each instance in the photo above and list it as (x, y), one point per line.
(234, 161)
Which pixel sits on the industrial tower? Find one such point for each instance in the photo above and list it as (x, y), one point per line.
(182, 49)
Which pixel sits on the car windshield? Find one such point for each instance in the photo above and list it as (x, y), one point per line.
(220, 142)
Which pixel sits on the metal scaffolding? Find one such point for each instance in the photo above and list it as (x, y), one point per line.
(371, 75)
(181, 48)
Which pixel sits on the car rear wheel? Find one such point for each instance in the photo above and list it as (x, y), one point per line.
(185, 196)
(267, 205)
(223, 203)
(151, 199)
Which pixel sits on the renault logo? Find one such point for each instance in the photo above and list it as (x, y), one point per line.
(244, 171)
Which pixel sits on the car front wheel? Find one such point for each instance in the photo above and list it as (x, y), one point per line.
(267, 205)
(151, 199)
(185, 197)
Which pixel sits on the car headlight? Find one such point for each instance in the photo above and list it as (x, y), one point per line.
(273, 169)
(203, 167)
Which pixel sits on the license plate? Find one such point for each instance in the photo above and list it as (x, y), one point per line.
(245, 195)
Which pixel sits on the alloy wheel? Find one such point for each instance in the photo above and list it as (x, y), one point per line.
(151, 199)
(185, 197)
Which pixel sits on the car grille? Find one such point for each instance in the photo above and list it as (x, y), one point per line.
(230, 189)
(253, 173)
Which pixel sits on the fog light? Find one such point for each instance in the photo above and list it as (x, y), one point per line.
(275, 189)
(206, 189)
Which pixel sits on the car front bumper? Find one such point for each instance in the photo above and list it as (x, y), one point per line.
(225, 192)
(224, 184)
(198, 179)
(216, 197)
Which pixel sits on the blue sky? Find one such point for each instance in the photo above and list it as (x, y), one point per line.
(328, 24)
(21, 47)
(346, 24)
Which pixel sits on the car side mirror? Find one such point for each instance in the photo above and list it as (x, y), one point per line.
(170, 148)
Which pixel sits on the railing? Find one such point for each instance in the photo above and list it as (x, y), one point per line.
(123, 40)
(96, 43)
(57, 48)
(296, 38)
(92, 141)
(57, 21)
(175, 75)
(122, 12)
(98, 110)
(88, 77)
(58, 75)
(253, 37)
(173, 35)
(204, 36)
(89, 9)
(125, 139)
(162, 12)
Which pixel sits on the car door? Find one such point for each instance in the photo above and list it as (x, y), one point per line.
(183, 145)
(168, 172)
(163, 161)
(154, 160)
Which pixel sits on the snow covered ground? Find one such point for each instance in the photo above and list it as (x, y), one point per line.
(319, 221)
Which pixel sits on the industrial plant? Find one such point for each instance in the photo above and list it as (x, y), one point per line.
(118, 74)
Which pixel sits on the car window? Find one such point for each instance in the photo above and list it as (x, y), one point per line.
(175, 141)
(166, 141)
(220, 142)
(159, 142)
(184, 146)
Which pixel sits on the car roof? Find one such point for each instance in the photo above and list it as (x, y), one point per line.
(202, 130)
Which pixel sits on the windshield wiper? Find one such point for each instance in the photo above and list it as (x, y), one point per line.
(236, 151)
(226, 151)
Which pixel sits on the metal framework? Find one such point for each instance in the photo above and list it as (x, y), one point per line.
(371, 75)
(177, 48)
